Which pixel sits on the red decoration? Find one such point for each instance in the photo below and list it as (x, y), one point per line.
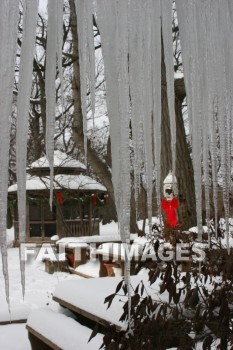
(106, 199)
(94, 198)
(59, 197)
(170, 208)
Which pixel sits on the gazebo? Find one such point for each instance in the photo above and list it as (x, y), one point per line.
(77, 199)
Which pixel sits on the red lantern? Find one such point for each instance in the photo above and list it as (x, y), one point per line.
(94, 198)
(106, 198)
(59, 197)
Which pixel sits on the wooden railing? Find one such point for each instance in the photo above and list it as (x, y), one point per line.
(79, 228)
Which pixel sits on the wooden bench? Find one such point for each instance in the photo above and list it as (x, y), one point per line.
(86, 297)
(48, 330)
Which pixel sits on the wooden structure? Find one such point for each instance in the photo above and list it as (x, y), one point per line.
(75, 209)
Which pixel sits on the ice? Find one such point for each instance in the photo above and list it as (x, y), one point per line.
(30, 9)
(156, 93)
(168, 58)
(8, 39)
(60, 45)
(208, 80)
(54, 44)
(84, 12)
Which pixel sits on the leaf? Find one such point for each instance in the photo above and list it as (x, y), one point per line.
(207, 342)
(154, 277)
(94, 332)
(176, 297)
(135, 300)
(194, 299)
(107, 339)
(136, 289)
(125, 289)
(119, 286)
(156, 246)
(142, 289)
(123, 316)
(109, 299)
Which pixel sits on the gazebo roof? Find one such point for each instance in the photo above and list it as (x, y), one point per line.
(61, 160)
(71, 182)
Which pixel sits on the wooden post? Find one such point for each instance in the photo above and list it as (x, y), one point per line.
(90, 219)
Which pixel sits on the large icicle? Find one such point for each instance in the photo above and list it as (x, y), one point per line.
(60, 45)
(54, 39)
(9, 10)
(156, 95)
(168, 58)
(112, 19)
(135, 79)
(191, 55)
(30, 10)
(84, 12)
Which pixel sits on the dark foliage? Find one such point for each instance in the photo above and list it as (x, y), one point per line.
(192, 313)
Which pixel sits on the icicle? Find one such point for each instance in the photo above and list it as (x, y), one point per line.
(8, 39)
(25, 80)
(135, 78)
(91, 55)
(211, 99)
(191, 54)
(168, 57)
(84, 12)
(54, 40)
(156, 95)
(59, 46)
(112, 19)
(226, 133)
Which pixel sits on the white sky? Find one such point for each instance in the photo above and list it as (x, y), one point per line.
(43, 6)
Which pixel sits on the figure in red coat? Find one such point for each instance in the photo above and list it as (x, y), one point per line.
(170, 202)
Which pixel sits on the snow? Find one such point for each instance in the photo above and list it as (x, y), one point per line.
(72, 182)
(61, 160)
(178, 75)
(91, 268)
(90, 239)
(79, 293)
(39, 287)
(14, 337)
(63, 331)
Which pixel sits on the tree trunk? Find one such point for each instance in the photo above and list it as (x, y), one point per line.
(184, 168)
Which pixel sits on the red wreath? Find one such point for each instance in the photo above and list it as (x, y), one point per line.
(170, 208)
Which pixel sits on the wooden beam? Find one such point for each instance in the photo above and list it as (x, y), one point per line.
(42, 338)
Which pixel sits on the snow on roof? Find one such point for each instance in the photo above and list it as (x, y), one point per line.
(61, 159)
(71, 182)
(169, 179)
